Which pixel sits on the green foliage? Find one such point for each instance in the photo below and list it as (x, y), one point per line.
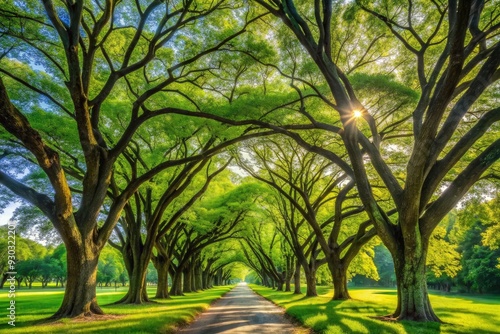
(443, 258)
(110, 267)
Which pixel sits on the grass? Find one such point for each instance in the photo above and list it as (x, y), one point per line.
(461, 314)
(162, 317)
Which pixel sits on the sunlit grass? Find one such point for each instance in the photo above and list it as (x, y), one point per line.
(461, 314)
(161, 317)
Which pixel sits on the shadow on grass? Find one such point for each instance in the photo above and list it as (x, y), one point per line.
(336, 318)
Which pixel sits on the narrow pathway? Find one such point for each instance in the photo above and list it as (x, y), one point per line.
(242, 311)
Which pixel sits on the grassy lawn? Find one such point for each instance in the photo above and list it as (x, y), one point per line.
(162, 317)
(461, 314)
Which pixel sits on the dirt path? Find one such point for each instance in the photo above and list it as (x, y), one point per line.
(242, 311)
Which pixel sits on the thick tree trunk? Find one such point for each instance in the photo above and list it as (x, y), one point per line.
(311, 283)
(176, 289)
(193, 280)
(80, 294)
(162, 287)
(162, 266)
(187, 273)
(288, 283)
(198, 279)
(280, 282)
(339, 275)
(296, 279)
(205, 276)
(136, 256)
(137, 292)
(413, 299)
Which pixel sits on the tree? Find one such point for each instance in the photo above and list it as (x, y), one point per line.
(456, 63)
(211, 221)
(59, 271)
(110, 267)
(30, 270)
(321, 197)
(147, 212)
(88, 68)
(270, 253)
(480, 272)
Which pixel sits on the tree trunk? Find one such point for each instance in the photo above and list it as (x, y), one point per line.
(176, 289)
(280, 282)
(198, 279)
(296, 279)
(339, 275)
(311, 283)
(80, 293)
(193, 280)
(187, 273)
(288, 285)
(136, 256)
(137, 292)
(162, 266)
(204, 278)
(162, 287)
(413, 299)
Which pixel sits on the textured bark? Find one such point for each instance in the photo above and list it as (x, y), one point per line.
(288, 286)
(176, 289)
(137, 292)
(339, 276)
(413, 298)
(80, 294)
(136, 260)
(187, 275)
(198, 278)
(280, 283)
(296, 279)
(162, 268)
(311, 283)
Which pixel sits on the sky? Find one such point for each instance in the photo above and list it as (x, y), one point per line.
(7, 213)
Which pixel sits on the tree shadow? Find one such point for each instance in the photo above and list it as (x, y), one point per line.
(338, 317)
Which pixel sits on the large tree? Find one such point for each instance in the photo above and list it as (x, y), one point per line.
(89, 66)
(456, 58)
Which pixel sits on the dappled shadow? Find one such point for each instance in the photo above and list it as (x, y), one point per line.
(337, 319)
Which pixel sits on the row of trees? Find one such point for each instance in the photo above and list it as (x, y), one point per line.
(301, 229)
(117, 117)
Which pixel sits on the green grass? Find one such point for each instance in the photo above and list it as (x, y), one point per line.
(162, 317)
(461, 314)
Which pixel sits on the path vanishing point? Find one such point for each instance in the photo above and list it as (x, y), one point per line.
(242, 311)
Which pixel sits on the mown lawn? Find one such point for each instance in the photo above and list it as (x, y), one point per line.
(161, 317)
(461, 314)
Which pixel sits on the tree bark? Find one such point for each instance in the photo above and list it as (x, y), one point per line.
(80, 293)
(311, 283)
(162, 266)
(339, 275)
(288, 284)
(136, 262)
(198, 279)
(187, 274)
(296, 279)
(413, 298)
(176, 289)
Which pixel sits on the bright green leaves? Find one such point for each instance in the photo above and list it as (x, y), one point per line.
(226, 207)
(443, 257)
